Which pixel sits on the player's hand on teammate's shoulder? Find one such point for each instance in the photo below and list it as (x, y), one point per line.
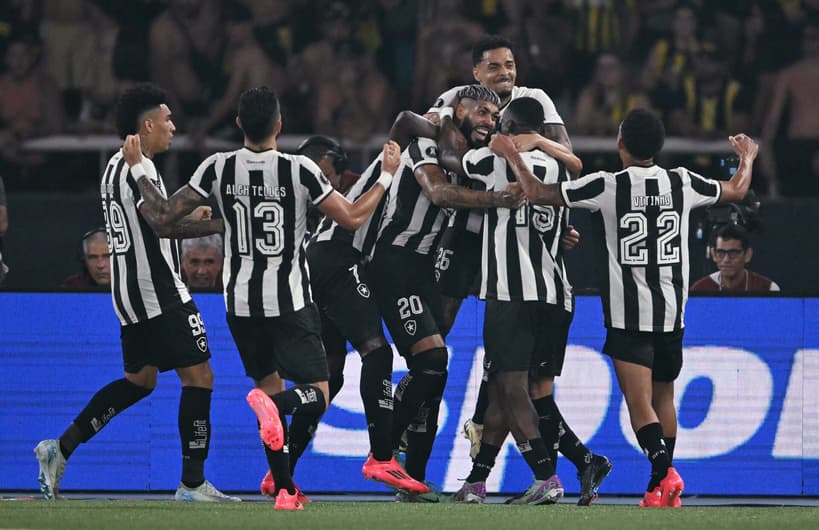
(744, 145)
(502, 145)
(513, 196)
(391, 157)
(570, 238)
(433, 117)
(132, 150)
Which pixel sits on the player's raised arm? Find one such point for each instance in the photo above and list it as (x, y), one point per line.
(747, 150)
(351, 216)
(167, 216)
(409, 125)
(557, 150)
(536, 191)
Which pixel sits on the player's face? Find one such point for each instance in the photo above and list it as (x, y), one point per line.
(202, 267)
(98, 261)
(480, 122)
(497, 71)
(730, 257)
(162, 129)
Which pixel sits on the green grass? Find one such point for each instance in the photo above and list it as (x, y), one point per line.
(157, 515)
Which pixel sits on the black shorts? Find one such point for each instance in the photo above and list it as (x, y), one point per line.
(289, 344)
(660, 351)
(525, 336)
(174, 339)
(458, 263)
(343, 293)
(407, 295)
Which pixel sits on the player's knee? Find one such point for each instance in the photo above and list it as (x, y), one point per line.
(433, 361)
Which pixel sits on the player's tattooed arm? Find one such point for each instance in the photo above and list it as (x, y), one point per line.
(536, 191)
(452, 146)
(197, 224)
(447, 195)
(409, 125)
(163, 215)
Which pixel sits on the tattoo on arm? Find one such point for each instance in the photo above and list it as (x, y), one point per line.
(536, 191)
(185, 229)
(161, 212)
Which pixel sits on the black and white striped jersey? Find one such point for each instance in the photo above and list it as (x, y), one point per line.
(521, 256)
(145, 279)
(411, 221)
(363, 239)
(551, 116)
(643, 214)
(264, 199)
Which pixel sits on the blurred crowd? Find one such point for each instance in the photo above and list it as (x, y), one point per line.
(346, 68)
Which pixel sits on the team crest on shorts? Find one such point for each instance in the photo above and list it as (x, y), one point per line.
(410, 327)
(363, 290)
(202, 343)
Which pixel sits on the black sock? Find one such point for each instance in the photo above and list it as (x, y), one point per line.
(420, 439)
(423, 384)
(535, 453)
(548, 425)
(376, 394)
(483, 463)
(279, 462)
(300, 399)
(194, 432)
(569, 444)
(669, 446)
(483, 401)
(302, 429)
(650, 438)
(109, 401)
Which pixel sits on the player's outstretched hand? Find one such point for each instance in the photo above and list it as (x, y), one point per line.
(744, 146)
(502, 145)
(512, 196)
(132, 150)
(570, 238)
(391, 158)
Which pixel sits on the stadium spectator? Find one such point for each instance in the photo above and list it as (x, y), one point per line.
(95, 260)
(731, 251)
(186, 50)
(29, 101)
(248, 65)
(202, 262)
(671, 57)
(791, 129)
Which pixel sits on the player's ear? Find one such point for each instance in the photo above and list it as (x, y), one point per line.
(238, 122)
(460, 111)
(277, 127)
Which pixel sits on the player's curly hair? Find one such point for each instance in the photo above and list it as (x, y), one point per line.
(133, 102)
(479, 93)
(258, 113)
(643, 134)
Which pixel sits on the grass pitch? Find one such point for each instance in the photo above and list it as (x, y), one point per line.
(156, 515)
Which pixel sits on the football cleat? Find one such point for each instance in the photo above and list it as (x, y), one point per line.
(473, 432)
(591, 478)
(653, 498)
(672, 487)
(433, 495)
(205, 492)
(270, 424)
(392, 474)
(52, 467)
(471, 493)
(286, 501)
(547, 491)
(268, 488)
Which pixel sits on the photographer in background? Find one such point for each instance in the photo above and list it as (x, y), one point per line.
(731, 250)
